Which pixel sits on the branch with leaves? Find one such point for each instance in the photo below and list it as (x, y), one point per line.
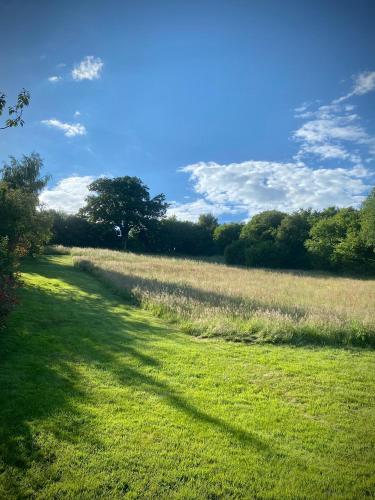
(15, 112)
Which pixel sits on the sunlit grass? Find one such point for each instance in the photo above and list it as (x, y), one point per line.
(99, 399)
(210, 299)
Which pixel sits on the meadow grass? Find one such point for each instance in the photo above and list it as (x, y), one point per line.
(252, 305)
(99, 399)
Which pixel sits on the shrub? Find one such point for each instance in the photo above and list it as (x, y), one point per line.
(225, 234)
(235, 253)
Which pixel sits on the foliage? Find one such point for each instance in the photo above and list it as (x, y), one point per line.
(23, 222)
(123, 203)
(335, 243)
(368, 220)
(182, 237)
(290, 238)
(225, 234)
(24, 226)
(208, 221)
(262, 226)
(15, 113)
(75, 230)
(235, 253)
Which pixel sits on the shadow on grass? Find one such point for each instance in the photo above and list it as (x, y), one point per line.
(123, 282)
(50, 335)
(345, 336)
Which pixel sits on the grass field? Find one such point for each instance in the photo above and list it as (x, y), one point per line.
(208, 299)
(99, 399)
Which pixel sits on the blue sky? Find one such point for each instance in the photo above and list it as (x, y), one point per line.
(229, 107)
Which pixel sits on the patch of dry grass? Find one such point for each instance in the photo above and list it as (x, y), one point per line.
(209, 299)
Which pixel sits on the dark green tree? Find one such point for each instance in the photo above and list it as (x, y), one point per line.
(208, 221)
(368, 220)
(335, 243)
(123, 203)
(225, 234)
(291, 235)
(262, 226)
(25, 225)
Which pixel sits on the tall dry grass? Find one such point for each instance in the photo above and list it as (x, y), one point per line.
(210, 299)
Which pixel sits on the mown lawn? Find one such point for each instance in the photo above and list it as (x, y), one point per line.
(101, 400)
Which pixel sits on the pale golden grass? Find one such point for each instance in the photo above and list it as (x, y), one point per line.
(242, 304)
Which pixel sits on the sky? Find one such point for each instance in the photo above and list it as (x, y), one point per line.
(229, 107)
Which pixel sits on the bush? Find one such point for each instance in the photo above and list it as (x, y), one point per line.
(225, 234)
(265, 254)
(235, 253)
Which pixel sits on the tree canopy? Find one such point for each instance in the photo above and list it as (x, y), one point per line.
(123, 203)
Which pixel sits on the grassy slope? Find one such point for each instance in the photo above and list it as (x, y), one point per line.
(98, 399)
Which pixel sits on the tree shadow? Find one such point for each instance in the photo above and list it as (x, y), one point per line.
(54, 331)
(124, 282)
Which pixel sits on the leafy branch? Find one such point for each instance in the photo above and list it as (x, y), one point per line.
(15, 112)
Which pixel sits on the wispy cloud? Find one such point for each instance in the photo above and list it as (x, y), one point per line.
(54, 79)
(90, 68)
(69, 129)
(335, 130)
(68, 195)
(363, 83)
(329, 132)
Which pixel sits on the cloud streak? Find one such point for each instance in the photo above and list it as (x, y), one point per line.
(69, 129)
(363, 83)
(54, 79)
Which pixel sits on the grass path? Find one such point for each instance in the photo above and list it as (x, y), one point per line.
(101, 400)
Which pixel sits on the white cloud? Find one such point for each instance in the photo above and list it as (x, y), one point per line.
(363, 83)
(331, 132)
(54, 79)
(69, 129)
(68, 195)
(89, 68)
(254, 186)
(77, 114)
(191, 211)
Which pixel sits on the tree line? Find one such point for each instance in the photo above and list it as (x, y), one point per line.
(121, 215)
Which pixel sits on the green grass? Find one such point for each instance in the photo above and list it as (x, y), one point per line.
(101, 400)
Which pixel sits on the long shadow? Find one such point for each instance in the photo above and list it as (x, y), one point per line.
(122, 282)
(210, 298)
(48, 336)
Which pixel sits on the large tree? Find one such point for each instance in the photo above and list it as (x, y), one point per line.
(24, 226)
(123, 203)
(22, 223)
